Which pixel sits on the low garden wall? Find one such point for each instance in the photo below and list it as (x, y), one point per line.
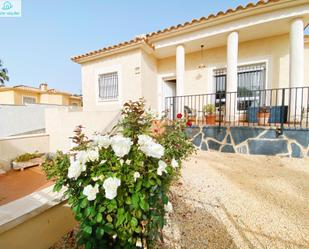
(251, 140)
(11, 147)
(36, 221)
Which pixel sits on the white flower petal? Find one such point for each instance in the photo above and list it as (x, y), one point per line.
(150, 147)
(174, 163)
(91, 192)
(161, 168)
(121, 145)
(136, 176)
(102, 141)
(110, 186)
(168, 207)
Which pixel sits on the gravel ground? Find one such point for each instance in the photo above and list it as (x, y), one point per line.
(237, 201)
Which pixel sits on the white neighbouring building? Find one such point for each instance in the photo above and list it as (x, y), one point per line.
(260, 46)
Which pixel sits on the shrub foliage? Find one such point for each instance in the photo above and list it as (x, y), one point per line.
(117, 185)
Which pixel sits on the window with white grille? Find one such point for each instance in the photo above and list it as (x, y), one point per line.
(29, 100)
(108, 86)
(251, 79)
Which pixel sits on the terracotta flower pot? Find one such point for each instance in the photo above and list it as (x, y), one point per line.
(210, 119)
(263, 117)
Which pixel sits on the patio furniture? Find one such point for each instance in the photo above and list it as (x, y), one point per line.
(275, 114)
(190, 114)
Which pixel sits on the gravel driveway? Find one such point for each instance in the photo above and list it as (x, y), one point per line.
(239, 201)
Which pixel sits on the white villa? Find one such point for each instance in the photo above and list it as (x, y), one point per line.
(233, 57)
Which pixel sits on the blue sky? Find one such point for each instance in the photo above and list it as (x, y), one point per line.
(37, 46)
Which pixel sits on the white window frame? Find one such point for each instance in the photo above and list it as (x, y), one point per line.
(107, 70)
(268, 76)
(29, 97)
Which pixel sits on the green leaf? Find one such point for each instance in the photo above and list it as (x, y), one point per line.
(112, 205)
(128, 201)
(165, 199)
(147, 184)
(99, 232)
(88, 245)
(102, 209)
(57, 187)
(134, 222)
(120, 217)
(152, 182)
(90, 212)
(135, 200)
(138, 229)
(87, 229)
(139, 185)
(99, 218)
(108, 228)
(144, 205)
(109, 218)
(84, 203)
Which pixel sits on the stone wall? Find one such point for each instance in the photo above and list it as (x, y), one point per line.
(251, 140)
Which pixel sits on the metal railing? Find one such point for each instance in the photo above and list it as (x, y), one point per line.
(281, 108)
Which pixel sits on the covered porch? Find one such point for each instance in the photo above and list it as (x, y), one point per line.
(238, 65)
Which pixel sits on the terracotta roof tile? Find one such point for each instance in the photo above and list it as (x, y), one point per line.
(219, 14)
(173, 28)
(119, 45)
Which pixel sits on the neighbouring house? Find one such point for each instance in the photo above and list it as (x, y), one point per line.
(21, 95)
(241, 61)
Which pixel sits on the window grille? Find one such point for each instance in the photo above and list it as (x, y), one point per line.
(108, 86)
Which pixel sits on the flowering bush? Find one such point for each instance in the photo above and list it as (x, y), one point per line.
(117, 185)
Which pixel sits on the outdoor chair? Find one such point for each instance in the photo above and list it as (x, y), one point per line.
(190, 114)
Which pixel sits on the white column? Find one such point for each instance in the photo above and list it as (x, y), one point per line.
(231, 75)
(297, 53)
(296, 67)
(180, 70)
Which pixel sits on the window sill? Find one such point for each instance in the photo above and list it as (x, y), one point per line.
(107, 100)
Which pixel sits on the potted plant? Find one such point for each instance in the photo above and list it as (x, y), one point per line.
(209, 112)
(28, 160)
(263, 115)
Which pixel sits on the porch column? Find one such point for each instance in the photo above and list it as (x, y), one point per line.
(296, 67)
(180, 69)
(231, 76)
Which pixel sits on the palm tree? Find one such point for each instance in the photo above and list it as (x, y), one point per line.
(3, 74)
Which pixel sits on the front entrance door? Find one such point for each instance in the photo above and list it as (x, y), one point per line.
(169, 91)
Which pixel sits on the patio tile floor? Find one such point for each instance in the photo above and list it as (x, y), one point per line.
(17, 184)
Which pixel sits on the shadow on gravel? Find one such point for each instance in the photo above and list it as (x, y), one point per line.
(194, 228)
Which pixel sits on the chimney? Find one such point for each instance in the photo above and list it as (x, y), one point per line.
(43, 86)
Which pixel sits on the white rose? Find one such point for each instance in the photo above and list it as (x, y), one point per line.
(81, 156)
(102, 141)
(174, 163)
(128, 162)
(144, 140)
(136, 176)
(155, 150)
(75, 169)
(91, 192)
(149, 147)
(161, 168)
(139, 243)
(168, 207)
(121, 145)
(110, 186)
(92, 155)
